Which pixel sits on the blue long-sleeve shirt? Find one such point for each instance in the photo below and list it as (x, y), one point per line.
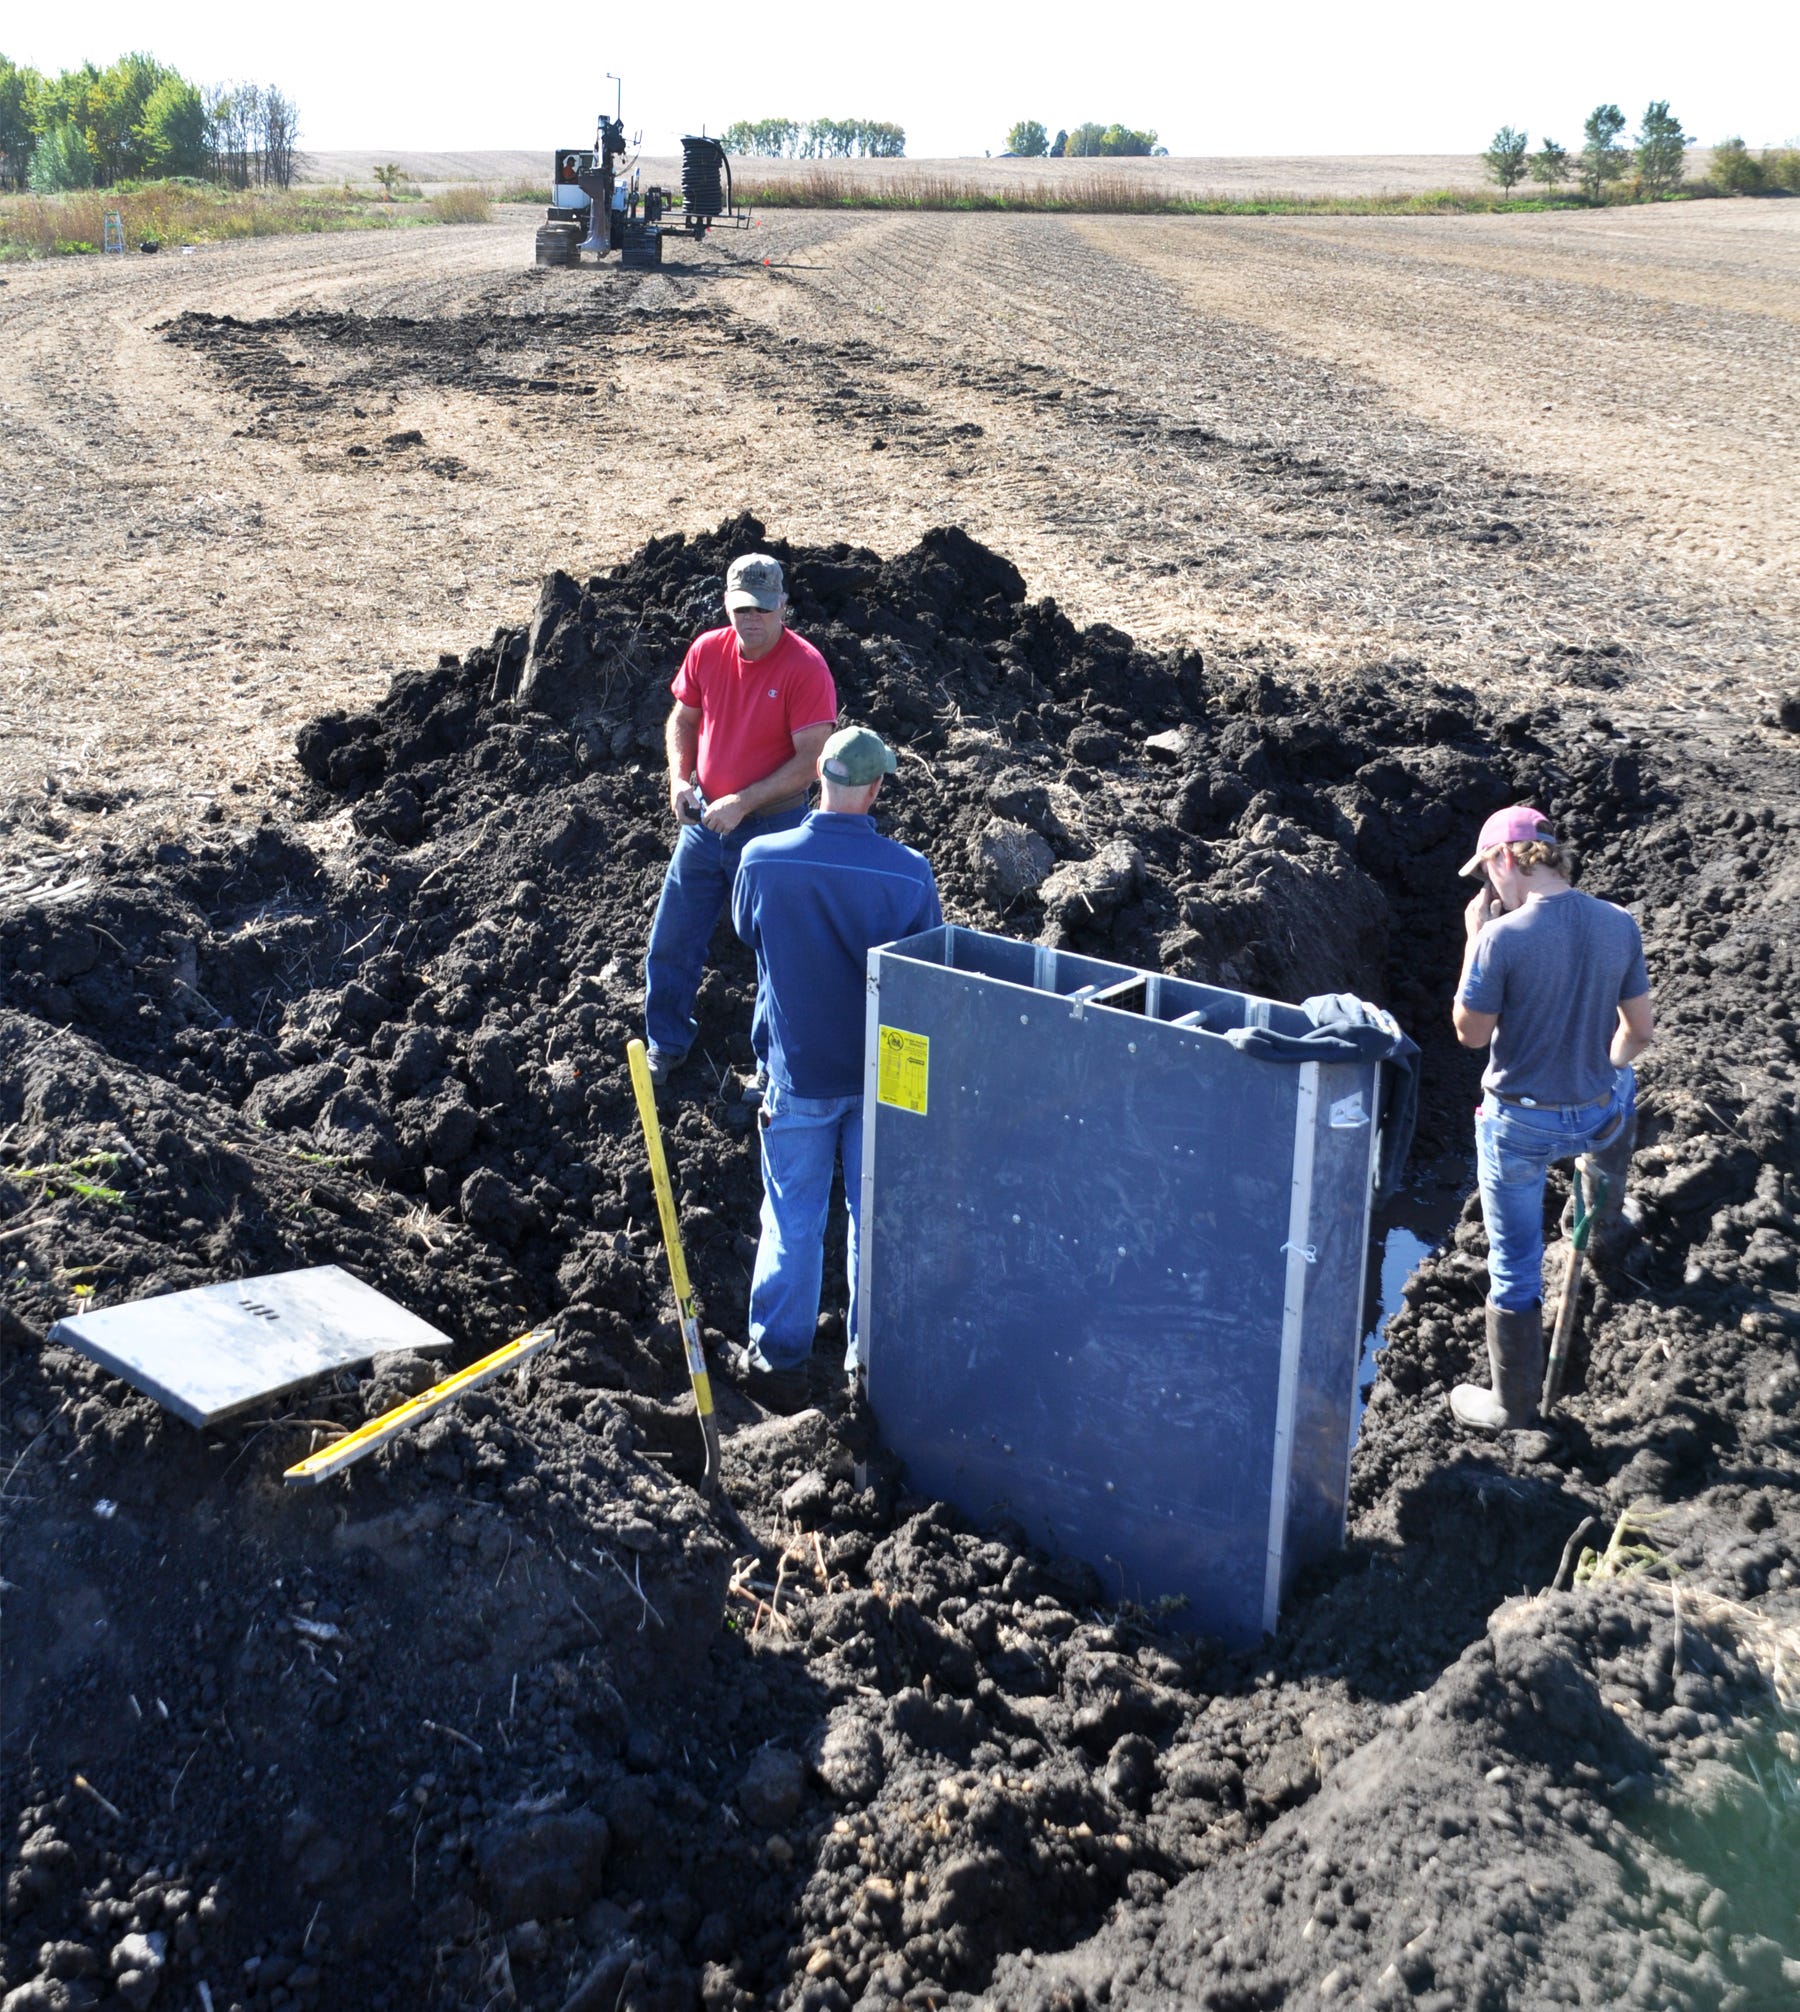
(811, 903)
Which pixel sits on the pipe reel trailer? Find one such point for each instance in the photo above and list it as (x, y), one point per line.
(599, 206)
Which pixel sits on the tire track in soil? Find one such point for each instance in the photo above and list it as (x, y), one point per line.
(1664, 385)
(1295, 497)
(181, 593)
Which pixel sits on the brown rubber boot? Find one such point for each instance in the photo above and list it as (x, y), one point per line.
(1515, 1345)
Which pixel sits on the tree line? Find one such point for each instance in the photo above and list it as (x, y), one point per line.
(816, 139)
(92, 128)
(1654, 163)
(1084, 142)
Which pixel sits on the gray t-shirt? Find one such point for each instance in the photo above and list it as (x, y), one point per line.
(1555, 971)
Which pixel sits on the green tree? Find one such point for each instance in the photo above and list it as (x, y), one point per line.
(1083, 141)
(61, 160)
(173, 136)
(1549, 166)
(19, 88)
(830, 139)
(1661, 150)
(1060, 145)
(1119, 139)
(1603, 160)
(1736, 169)
(772, 137)
(116, 114)
(1505, 157)
(66, 99)
(390, 174)
(1027, 138)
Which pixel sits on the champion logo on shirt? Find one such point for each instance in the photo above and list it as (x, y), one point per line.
(773, 693)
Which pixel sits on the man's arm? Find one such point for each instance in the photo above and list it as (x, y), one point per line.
(681, 738)
(743, 905)
(1635, 1031)
(1474, 1030)
(726, 813)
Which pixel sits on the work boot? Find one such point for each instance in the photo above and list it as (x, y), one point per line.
(1515, 1346)
(662, 1065)
(1611, 1232)
(783, 1390)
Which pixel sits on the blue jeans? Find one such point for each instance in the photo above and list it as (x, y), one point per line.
(694, 893)
(802, 1138)
(1514, 1148)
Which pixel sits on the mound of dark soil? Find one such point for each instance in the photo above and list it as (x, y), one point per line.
(497, 1713)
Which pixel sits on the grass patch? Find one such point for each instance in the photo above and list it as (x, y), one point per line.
(1629, 1552)
(175, 213)
(1101, 194)
(465, 205)
(77, 1177)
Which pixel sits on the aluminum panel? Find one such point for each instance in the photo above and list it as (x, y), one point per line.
(219, 1348)
(1075, 1290)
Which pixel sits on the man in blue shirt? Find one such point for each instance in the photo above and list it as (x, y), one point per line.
(1554, 986)
(811, 903)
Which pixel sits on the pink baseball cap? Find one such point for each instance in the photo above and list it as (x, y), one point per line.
(1519, 825)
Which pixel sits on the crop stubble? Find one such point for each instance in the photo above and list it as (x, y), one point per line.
(1316, 443)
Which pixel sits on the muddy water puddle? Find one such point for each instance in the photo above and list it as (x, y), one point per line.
(1403, 1233)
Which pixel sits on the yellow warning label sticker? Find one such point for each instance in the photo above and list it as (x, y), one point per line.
(904, 1071)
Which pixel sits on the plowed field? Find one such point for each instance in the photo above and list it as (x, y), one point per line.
(1524, 450)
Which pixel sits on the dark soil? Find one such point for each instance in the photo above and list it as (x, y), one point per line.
(505, 1714)
(296, 370)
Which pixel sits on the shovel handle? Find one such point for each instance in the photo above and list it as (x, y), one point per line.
(639, 1059)
(1564, 1331)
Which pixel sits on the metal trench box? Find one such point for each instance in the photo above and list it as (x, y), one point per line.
(1111, 1276)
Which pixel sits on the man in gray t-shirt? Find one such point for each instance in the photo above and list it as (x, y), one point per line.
(1554, 986)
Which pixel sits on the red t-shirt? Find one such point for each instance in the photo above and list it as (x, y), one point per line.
(750, 713)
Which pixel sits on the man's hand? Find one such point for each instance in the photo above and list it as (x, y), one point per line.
(725, 813)
(684, 803)
(1482, 909)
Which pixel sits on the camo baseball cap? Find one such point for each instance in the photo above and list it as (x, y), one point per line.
(857, 756)
(754, 581)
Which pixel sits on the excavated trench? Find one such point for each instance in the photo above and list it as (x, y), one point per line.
(504, 1716)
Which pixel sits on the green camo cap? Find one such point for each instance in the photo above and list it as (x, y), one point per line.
(754, 581)
(856, 756)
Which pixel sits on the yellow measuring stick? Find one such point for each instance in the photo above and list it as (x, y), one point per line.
(678, 1273)
(342, 1452)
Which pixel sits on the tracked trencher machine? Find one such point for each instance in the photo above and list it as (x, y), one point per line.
(597, 205)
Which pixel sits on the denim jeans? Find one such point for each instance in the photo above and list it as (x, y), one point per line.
(694, 893)
(802, 1138)
(1514, 1147)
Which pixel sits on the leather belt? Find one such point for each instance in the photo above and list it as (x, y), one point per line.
(1551, 1103)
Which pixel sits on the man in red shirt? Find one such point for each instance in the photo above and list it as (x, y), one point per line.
(754, 707)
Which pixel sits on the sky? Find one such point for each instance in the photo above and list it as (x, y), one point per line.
(1385, 77)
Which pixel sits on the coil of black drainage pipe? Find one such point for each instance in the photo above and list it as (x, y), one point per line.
(704, 172)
